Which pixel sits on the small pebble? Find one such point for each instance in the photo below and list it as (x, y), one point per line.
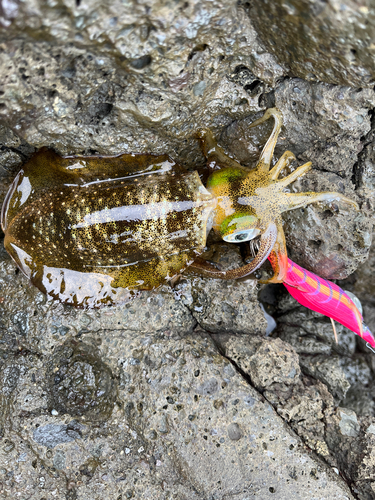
(234, 432)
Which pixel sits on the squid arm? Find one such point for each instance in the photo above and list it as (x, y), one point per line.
(267, 242)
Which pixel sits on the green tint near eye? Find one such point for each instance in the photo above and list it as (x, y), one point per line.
(237, 222)
(225, 176)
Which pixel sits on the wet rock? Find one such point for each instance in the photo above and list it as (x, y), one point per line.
(319, 41)
(243, 76)
(329, 371)
(328, 239)
(121, 83)
(80, 384)
(266, 361)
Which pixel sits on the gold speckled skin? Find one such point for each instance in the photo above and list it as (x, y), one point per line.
(130, 222)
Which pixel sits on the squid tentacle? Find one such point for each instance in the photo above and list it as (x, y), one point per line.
(267, 242)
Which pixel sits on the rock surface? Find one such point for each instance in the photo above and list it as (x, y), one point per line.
(113, 411)
(179, 394)
(316, 40)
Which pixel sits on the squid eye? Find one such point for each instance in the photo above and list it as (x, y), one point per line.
(240, 236)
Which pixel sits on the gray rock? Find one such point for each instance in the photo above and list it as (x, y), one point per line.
(371, 429)
(183, 415)
(221, 306)
(51, 435)
(10, 377)
(266, 361)
(208, 387)
(224, 306)
(319, 41)
(360, 399)
(338, 373)
(163, 425)
(79, 383)
(272, 366)
(349, 425)
(329, 371)
(356, 371)
(234, 432)
(354, 449)
(59, 460)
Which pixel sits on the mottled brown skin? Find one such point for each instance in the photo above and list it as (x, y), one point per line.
(143, 222)
(93, 230)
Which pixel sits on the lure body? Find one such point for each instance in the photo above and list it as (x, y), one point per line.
(326, 298)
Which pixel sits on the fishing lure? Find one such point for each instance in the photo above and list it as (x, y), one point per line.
(327, 298)
(93, 230)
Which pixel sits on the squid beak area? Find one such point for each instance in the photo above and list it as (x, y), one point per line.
(266, 244)
(262, 246)
(253, 248)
